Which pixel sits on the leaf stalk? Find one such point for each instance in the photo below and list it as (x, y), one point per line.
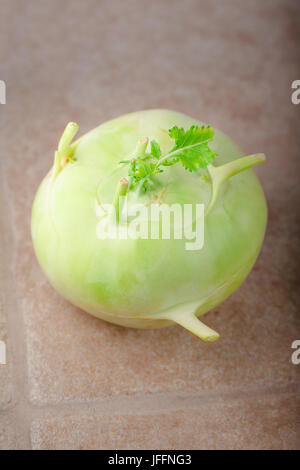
(121, 191)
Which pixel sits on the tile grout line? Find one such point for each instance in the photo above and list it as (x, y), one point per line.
(153, 403)
(19, 409)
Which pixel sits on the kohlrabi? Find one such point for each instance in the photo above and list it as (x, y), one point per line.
(152, 158)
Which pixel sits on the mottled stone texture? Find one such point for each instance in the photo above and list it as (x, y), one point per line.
(230, 64)
(8, 439)
(253, 423)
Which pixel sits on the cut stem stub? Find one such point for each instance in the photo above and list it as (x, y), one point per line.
(185, 315)
(141, 147)
(65, 150)
(219, 174)
(121, 191)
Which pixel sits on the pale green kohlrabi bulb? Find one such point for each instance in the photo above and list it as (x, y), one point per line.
(146, 283)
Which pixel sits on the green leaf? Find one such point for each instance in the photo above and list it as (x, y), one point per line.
(191, 160)
(191, 150)
(155, 149)
(191, 146)
(193, 135)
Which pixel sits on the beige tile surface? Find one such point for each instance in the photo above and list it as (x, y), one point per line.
(5, 373)
(75, 357)
(228, 63)
(252, 423)
(7, 433)
(6, 388)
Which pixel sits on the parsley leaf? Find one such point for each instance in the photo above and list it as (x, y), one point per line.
(155, 149)
(191, 146)
(190, 149)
